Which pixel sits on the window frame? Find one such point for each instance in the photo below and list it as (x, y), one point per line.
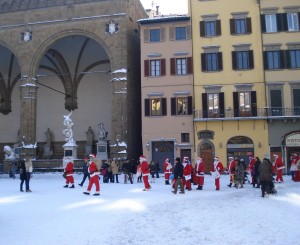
(155, 68)
(271, 23)
(291, 25)
(154, 35)
(181, 69)
(182, 34)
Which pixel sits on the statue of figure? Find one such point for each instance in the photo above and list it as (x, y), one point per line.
(102, 134)
(68, 132)
(48, 137)
(90, 136)
(9, 153)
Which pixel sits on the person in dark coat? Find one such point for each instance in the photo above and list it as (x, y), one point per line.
(85, 171)
(239, 174)
(178, 176)
(256, 172)
(265, 175)
(22, 171)
(157, 169)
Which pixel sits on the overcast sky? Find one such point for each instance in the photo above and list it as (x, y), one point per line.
(167, 6)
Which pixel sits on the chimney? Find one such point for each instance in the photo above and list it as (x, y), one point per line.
(157, 10)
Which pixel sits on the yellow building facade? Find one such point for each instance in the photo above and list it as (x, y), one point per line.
(229, 85)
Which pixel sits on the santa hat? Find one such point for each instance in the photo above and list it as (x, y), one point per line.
(216, 158)
(143, 159)
(92, 155)
(167, 160)
(231, 157)
(86, 158)
(275, 155)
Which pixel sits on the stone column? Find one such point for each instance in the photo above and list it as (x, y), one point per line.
(28, 91)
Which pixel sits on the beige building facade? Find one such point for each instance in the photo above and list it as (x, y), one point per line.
(167, 88)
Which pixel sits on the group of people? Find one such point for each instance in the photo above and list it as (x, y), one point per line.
(25, 169)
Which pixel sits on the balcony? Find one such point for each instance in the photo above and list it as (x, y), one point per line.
(276, 113)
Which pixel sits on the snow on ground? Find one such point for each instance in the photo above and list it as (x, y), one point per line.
(126, 215)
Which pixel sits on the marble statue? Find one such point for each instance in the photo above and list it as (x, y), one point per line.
(102, 134)
(48, 134)
(68, 132)
(9, 153)
(90, 136)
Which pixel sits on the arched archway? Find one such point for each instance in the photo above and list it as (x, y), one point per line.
(206, 150)
(241, 147)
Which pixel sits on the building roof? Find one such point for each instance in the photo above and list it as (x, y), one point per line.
(163, 19)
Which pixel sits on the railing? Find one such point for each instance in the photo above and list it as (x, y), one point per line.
(259, 113)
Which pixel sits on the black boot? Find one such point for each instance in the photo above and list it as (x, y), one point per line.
(72, 186)
(66, 186)
(229, 185)
(167, 182)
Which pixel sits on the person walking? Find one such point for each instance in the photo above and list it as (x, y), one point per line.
(22, 171)
(239, 174)
(157, 169)
(115, 170)
(68, 173)
(256, 172)
(265, 175)
(279, 165)
(216, 172)
(94, 179)
(145, 172)
(199, 169)
(29, 169)
(152, 167)
(85, 171)
(231, 170)
(187, 174)
(167, 171)
(178, 176)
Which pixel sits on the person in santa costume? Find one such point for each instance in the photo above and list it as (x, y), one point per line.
(295, 158)
(199, 171)
(231, 170)
(279, 165)
(167, 171)
(94, 178)
(216, 172)
(145, 172)
(68, 173)
(252, 170)
(187, 174)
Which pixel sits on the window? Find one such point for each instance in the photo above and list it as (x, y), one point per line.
(211, 61)
(213, 105)
(271, 23)
(274, 60)
(293, 21)
(155, 35)
(154, 68)
(294, 58)
(276, 102)
(181, 66)
(244, 104)
(180, 33)
(239, 26)
(210, 28)
(156, 107)
(181, 105)
(242, 60)
(296, 102)
(185, 137)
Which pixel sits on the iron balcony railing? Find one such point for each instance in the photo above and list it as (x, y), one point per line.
(258, 113)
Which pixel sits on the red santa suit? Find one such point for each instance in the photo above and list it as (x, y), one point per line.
(94, 178)
(251, 168)
(199, 173)
(231, 170)
(187, 174)
(145, 172)
(167, 171)
(216, 172)
(279, 167)
(69, 171)
(294, 169)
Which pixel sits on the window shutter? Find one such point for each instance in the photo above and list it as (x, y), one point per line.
(276, 100)
(190, 105)
(203, 61)
(234, 60)
(202, 29)
(232, 26)
(248, 25)
(173, 106)
(284, 22)
(173, 66)
(147, 107)
(253, 104)
(204, 105)
(265, 57)
(164, 106)
(279, 22)
(281, 59)
(162, 34)
(163, 67)
(221, 103)
(263, 23)
(251, 59)
(298, 21)
(188, 32)
(146, 36)
(189, 65)
(287, 59)
(236, 104)
(146, 68)
(220, 61)
(218, 27)
(172, 33)
(296, 97)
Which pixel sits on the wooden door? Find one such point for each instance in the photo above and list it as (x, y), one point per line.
(206, 152)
